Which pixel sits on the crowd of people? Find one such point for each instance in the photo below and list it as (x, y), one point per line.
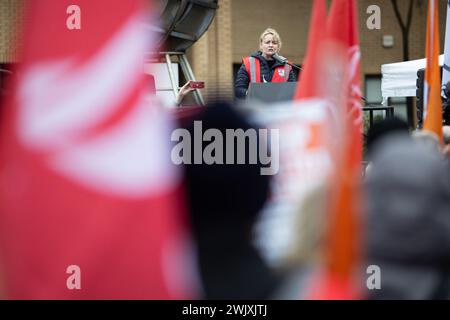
(406, 206)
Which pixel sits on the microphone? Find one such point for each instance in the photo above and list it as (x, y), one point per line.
(279, 58)
(283, 60)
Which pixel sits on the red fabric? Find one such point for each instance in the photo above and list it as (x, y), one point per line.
(278, 75)
(344, 241)
(49, 223)
(126, 243)
(309, 84)
(333, 287)
(257, 69)
(343, 250)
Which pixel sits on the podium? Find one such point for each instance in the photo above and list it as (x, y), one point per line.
(270, 92)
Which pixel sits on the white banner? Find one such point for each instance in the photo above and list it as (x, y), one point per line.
(307, 136)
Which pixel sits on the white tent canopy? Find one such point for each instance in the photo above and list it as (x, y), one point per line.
(399, 79)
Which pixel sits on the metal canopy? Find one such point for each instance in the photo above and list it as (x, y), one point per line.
(182, 22)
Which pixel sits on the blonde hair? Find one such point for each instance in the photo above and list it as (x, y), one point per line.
(274, 33)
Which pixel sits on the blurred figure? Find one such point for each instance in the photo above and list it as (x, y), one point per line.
(383, 128)
(380, 130)
(408, 222)
(446, 132)
(224, 202)
(428, 139)
(446, 103)
(446, 135)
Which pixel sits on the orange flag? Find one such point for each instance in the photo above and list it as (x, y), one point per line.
(432, 103)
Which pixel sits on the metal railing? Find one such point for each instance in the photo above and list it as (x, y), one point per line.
(389, 112)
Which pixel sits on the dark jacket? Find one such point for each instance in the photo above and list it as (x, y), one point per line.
(243, 78)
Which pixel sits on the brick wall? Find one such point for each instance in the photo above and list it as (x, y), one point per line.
(251, 17)
(211, 56)
(291, 19)
(11, 18)
(373, 53)
(236, 28)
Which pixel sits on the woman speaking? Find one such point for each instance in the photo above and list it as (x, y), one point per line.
(261, 66)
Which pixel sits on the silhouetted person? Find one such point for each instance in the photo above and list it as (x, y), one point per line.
(408, 222)
(224, 204)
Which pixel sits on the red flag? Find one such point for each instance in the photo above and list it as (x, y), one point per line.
(433, 102)
(343, 252)
(309, 84)
(307, 143)
(90, 207)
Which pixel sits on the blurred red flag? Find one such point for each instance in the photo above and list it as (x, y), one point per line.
(85, 173)
(309, 84)
(342, 252)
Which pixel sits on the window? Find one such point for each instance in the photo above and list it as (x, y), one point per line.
(374, 98)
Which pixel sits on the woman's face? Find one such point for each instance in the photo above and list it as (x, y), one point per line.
(269, 46)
